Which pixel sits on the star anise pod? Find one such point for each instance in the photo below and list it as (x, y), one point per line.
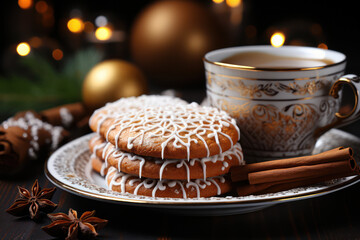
(34, 202)
(71, 227)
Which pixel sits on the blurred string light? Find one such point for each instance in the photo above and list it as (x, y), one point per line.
(103, 33)
(233, 3)
(89, 27)
(277, 39)
(101, 21)
(230, 3)
(75, 25)
(25, 4)
(57, 54)
(323, 46)
(35, 42)
(23, 49)
(41, 7)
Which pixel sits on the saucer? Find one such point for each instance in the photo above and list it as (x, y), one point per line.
(69, 168)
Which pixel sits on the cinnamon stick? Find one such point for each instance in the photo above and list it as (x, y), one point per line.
(67, 116)
(263, 188)
(302, 172)
(13, 150)
(284, 174)
(240, 173)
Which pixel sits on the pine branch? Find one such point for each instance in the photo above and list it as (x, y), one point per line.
(46, 86)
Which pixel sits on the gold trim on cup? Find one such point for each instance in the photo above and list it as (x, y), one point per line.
(249, 68)
(271, 79)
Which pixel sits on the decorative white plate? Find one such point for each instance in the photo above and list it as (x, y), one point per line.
(69, 168)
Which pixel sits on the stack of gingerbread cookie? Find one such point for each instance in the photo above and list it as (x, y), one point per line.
(162, 146)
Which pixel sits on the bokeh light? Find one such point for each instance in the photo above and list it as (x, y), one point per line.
(218, 1)
(103, 33)
(88, 27)
(233, 3)
(35, 42)
(75, 25)
(23, 49)
(323, 46)
(41, 7)
(277, 39)
(25, 4)
(57, 54)
(101, 21)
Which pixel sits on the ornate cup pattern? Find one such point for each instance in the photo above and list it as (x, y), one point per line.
(278, 112)
(279, 127)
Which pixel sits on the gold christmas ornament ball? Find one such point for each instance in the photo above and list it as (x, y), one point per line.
(169, 39)
(110, 80)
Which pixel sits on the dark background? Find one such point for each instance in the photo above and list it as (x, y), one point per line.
(338, 19)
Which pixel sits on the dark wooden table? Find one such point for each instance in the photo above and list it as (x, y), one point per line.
(333, 216)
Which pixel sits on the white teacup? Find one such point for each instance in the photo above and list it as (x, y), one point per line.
(281, 111)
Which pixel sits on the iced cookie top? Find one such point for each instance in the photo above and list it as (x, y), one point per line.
(133, 103)
(168, 128)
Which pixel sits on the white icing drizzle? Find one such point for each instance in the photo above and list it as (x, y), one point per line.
(110, 171)
(105, 149)
(102, 170)
(132, 181)
(66, 117)
(97, 146)
(122, 182)
(110, 151)
(119, 155)
(32, 125)
(182, 189)
(107, 156)
(137, 187)
(103, 166)
(179, 165)
(94, 139)
(160, 185)
(194, 186)
(179, 124)
(131, 103)
(217, 186)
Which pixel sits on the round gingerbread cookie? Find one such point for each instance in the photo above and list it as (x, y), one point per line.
(156, 168)
(174, 131)
(127, 183)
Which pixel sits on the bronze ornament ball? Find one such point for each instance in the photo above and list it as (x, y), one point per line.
(169, 39)
(110, 80)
